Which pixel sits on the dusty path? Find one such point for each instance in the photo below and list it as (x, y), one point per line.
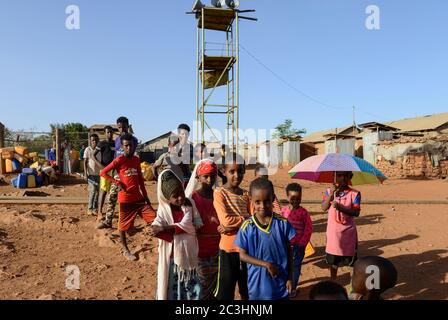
(37, 242)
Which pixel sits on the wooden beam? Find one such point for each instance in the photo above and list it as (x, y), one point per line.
(58, 148)
(2, 145)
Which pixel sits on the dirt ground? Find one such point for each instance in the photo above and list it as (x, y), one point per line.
(38, 242)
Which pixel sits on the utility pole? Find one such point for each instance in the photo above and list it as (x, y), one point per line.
(58, 147)
(2, 145)
(354, 131)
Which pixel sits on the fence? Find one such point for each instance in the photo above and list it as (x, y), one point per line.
(41, 142)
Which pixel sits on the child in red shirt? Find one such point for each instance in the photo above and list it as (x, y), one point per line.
(301, 221)
(132, 197)
(201, 187)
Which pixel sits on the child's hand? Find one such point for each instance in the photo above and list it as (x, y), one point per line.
(289, 286)
(222, 229)
(333, 189)
(120, 185)
(273, 271)
(154, 230)
(214, 220)
(336, 205)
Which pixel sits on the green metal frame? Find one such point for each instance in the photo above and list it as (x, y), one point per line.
(204, 109)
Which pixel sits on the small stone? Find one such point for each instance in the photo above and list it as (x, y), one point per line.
(73, 220)
(60, 264)
(125, 279)
(101, 267)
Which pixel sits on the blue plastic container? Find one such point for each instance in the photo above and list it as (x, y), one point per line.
(14, 182)
(39, 181)
(22, 181)
(15, 165)
(29, 171)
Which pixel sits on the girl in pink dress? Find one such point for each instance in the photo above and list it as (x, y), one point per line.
(343, 205)
(201, 188)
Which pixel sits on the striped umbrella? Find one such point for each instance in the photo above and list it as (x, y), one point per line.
(322, 168)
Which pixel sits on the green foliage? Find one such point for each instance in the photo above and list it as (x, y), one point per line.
(285, 131)
(77, 134)
(8, 135)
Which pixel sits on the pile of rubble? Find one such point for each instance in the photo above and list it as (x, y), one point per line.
(415, 139)
(417, 165)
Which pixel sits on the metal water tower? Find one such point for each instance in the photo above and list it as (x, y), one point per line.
(217, 68)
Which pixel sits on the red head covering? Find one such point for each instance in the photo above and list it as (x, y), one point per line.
(207, 167)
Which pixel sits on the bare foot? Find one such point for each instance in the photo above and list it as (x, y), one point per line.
(129, 256)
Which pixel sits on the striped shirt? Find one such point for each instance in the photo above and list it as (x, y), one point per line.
(232, 210)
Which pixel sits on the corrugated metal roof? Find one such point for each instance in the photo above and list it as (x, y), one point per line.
(376, 125)
(425, 123)
(319, 136)
(102, 126)
(163, 136)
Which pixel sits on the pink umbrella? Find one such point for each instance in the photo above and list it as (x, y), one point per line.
(322, 169)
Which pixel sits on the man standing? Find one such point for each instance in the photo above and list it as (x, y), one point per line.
(169, 160)
(106, 150)
(185, 149)
(66, 149)
(123, 127)
(92, 168)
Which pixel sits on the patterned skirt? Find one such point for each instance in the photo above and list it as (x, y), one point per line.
(208, 276)
(183, 286)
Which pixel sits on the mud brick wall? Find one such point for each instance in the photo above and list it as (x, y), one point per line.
(417, 165)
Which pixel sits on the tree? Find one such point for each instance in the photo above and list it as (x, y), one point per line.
(285, 131)
(8, 137)
(76, 133)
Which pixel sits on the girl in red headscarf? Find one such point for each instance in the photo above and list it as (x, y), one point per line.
(200, 189)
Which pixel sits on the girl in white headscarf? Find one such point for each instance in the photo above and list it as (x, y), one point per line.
(175, 225)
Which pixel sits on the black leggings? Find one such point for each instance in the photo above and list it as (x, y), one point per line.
(231, 271)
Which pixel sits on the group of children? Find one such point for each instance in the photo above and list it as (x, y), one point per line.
(213, 238)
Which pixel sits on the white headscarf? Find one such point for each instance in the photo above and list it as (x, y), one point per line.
(194, 184)
(186, 247)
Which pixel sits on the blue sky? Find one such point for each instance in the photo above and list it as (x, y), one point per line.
(137, 58)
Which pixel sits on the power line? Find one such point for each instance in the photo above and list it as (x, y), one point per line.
(288, 84)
